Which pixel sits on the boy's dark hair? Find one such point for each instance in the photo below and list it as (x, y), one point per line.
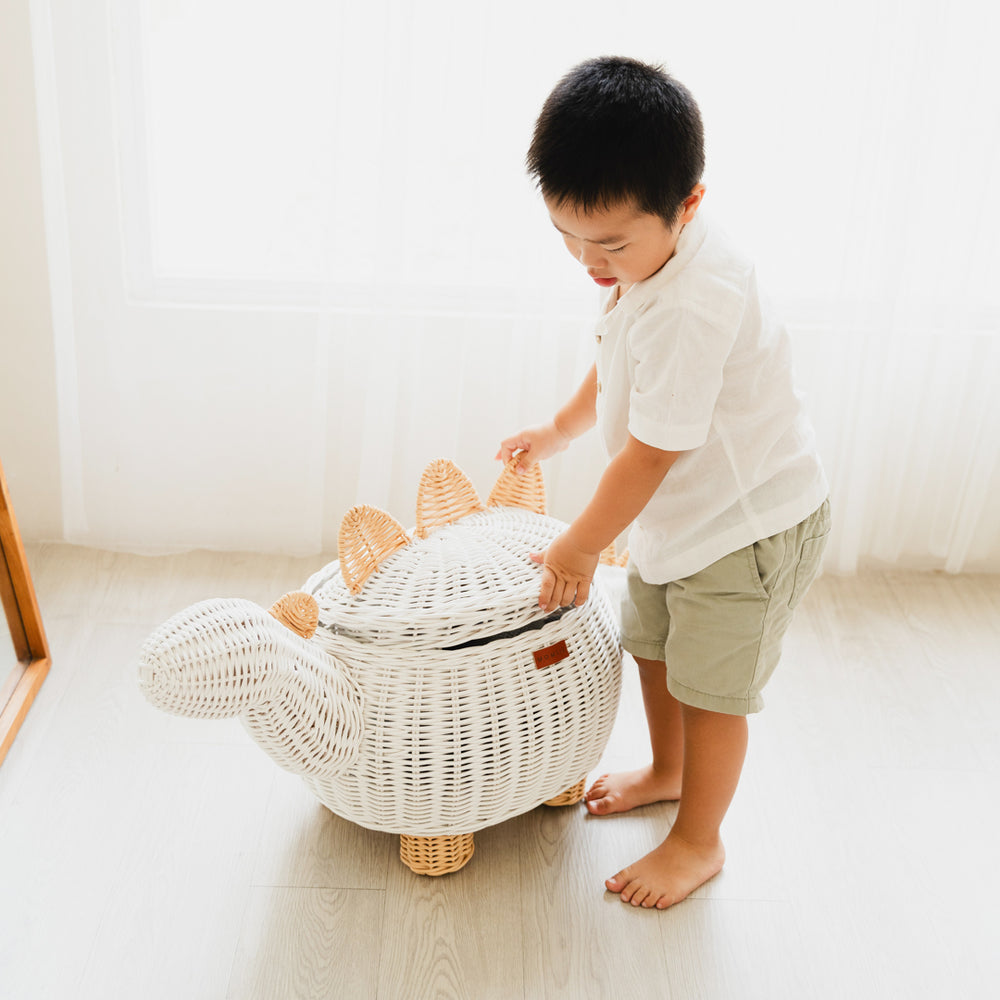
(613, 130)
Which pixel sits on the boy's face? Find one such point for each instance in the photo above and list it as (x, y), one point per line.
(620, 245)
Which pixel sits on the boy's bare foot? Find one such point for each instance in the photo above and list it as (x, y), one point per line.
(616, 793)
(667, 874)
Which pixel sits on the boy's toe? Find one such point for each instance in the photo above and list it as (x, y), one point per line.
(598, 807)
(636, 894)
(616, 883)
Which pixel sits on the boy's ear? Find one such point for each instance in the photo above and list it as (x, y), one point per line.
(691, 203)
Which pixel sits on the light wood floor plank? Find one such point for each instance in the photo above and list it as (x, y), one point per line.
(170, 921)
(574, 930)
(307, 943)
(303, 845)
(457, 935)
(713, 952)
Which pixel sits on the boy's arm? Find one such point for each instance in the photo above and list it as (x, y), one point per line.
(629, 481)
(574, 419)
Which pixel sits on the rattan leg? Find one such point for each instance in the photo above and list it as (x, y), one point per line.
(435, 855)
(571, 796)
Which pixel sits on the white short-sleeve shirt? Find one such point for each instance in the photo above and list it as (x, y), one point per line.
(689, 360)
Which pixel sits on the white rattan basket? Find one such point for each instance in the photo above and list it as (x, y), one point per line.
(434, 698)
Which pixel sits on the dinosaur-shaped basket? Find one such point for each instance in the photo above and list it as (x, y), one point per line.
(415, 684)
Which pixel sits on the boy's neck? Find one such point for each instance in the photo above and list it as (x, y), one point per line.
(622, 289)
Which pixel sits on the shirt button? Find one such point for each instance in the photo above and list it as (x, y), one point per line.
(598, 337)
(599, 387)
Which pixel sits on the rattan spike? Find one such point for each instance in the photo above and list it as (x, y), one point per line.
(525, 489)
(368, 536)
(444, 496)
(609, 558)
(299, 611)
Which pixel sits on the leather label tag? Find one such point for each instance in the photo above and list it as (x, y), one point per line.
(550, 654)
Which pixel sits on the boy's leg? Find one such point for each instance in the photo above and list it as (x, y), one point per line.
(723, 642)
(714, 750)
(660, 781)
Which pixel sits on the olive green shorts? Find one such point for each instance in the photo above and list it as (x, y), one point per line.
(720, 630)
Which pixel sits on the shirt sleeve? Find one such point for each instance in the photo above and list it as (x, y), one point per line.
(677, 360)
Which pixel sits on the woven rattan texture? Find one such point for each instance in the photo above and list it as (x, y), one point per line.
(436, 855)
(434, 699)
(367, 537)
(459, 740)
(471, 579)
(445, 495)
(571, 796)
(524, 489)
(224, 658)
(298, 611)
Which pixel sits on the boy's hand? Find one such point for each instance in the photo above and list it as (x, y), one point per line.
(567, 573)
(534, 445)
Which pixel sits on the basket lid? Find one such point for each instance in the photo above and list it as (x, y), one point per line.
(462, 584)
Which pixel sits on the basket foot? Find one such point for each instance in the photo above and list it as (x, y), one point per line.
(571, 796)
(435, 855)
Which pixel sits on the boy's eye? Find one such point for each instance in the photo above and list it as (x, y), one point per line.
(616, 249)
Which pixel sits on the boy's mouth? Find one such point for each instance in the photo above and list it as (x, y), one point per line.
(606, 282)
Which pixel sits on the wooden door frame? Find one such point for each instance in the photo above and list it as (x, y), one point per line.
(21, 610)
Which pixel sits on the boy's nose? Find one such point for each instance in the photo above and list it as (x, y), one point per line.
(590, 254)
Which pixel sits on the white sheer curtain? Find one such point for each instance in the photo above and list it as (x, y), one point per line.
(294, 255)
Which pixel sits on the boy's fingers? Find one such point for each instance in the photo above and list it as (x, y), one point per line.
(555, 593)
(512, 450)
(563, 594)
(546, 590)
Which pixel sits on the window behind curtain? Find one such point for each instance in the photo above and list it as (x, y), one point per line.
(294, 254)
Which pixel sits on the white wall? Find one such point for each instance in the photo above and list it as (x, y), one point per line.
(29, 447)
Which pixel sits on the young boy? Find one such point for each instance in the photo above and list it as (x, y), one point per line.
(713, 461)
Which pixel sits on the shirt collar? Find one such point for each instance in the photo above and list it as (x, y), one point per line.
(688, 244)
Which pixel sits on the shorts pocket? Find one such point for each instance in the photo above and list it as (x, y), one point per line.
(764, 561)
(808, 567)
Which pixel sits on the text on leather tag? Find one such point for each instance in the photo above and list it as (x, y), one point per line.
(550, 654)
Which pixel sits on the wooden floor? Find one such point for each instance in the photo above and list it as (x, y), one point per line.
(143, 856)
